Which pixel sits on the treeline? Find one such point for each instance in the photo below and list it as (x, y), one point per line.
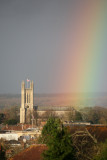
(94, 115)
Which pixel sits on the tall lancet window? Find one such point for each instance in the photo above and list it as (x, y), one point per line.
(29, 97)
(25, 98)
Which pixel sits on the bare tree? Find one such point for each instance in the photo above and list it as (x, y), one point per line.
(47, 114)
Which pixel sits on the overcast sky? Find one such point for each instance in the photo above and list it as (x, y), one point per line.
(31, 32)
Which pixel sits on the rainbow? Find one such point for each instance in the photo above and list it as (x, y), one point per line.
(83, 48)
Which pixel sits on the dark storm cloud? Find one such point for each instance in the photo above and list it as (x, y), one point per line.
(30, 33)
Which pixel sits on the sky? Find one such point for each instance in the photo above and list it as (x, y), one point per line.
(60, 45)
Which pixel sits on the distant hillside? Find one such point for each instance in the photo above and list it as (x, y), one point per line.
(73, 99)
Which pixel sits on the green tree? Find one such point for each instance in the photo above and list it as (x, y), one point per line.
(2, 117)
(58, 141)
(103, 152)
(12, 113)
(2, 153)
(11, 122)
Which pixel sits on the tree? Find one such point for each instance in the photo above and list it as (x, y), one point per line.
(47, 114)
(12, 113)
(2, 117)
(95, 115)
(78, 116)
(36, 117)
(2, 153)
(71, 116)
(11, 122)
(58, 141)
(103, 152)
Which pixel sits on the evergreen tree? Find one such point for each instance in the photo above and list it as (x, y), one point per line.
(58, 141)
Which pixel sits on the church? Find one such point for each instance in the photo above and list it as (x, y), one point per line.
(28, 109)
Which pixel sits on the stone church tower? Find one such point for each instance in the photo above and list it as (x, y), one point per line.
(26, 110)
